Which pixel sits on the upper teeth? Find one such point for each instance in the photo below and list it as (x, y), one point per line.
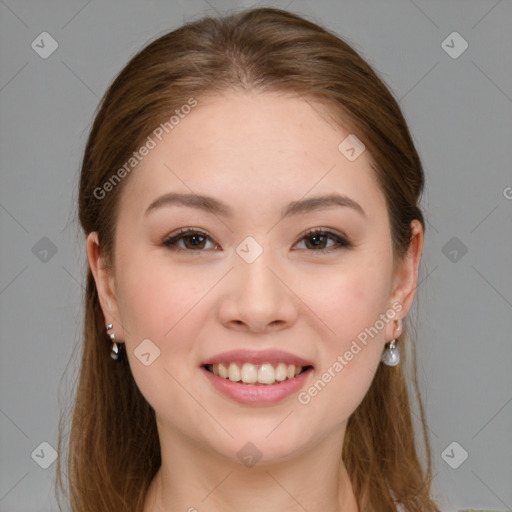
(250, 373)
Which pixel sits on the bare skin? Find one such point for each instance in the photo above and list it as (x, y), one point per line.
(255, 152)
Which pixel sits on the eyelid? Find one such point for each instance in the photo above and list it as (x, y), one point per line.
(323, 231)
(341, 239)
(182, 233)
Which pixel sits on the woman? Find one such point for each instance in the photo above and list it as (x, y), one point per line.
(249, 195)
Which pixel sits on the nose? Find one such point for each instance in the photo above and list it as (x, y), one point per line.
(257, 297)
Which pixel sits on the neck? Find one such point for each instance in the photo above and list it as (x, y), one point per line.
(193, 479)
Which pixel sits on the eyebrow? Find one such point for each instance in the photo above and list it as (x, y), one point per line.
(216, 207)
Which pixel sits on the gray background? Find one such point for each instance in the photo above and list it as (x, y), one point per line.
(459, 111)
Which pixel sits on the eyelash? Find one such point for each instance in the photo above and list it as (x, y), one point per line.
(342, 243)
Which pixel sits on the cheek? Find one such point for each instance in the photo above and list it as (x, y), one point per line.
(162, 305)
(352, 304)
(350, 301)
(155, 297)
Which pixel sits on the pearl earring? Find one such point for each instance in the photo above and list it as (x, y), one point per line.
(115, 347)
(391, 355)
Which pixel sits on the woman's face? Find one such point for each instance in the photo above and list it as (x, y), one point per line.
(249, 278)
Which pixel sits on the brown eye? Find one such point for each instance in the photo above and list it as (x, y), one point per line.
(193, 240)
(317, 240)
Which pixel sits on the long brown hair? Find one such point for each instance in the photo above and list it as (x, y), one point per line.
(114, 449)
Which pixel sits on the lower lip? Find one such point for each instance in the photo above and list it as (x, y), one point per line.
(261, 394)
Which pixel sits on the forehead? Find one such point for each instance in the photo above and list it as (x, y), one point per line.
(254, 148)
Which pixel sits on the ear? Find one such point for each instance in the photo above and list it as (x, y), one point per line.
(405, 279)
(105, 285)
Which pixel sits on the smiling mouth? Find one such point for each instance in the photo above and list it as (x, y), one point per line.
(257, 374)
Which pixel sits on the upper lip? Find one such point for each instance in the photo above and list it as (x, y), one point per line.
(257, 357)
